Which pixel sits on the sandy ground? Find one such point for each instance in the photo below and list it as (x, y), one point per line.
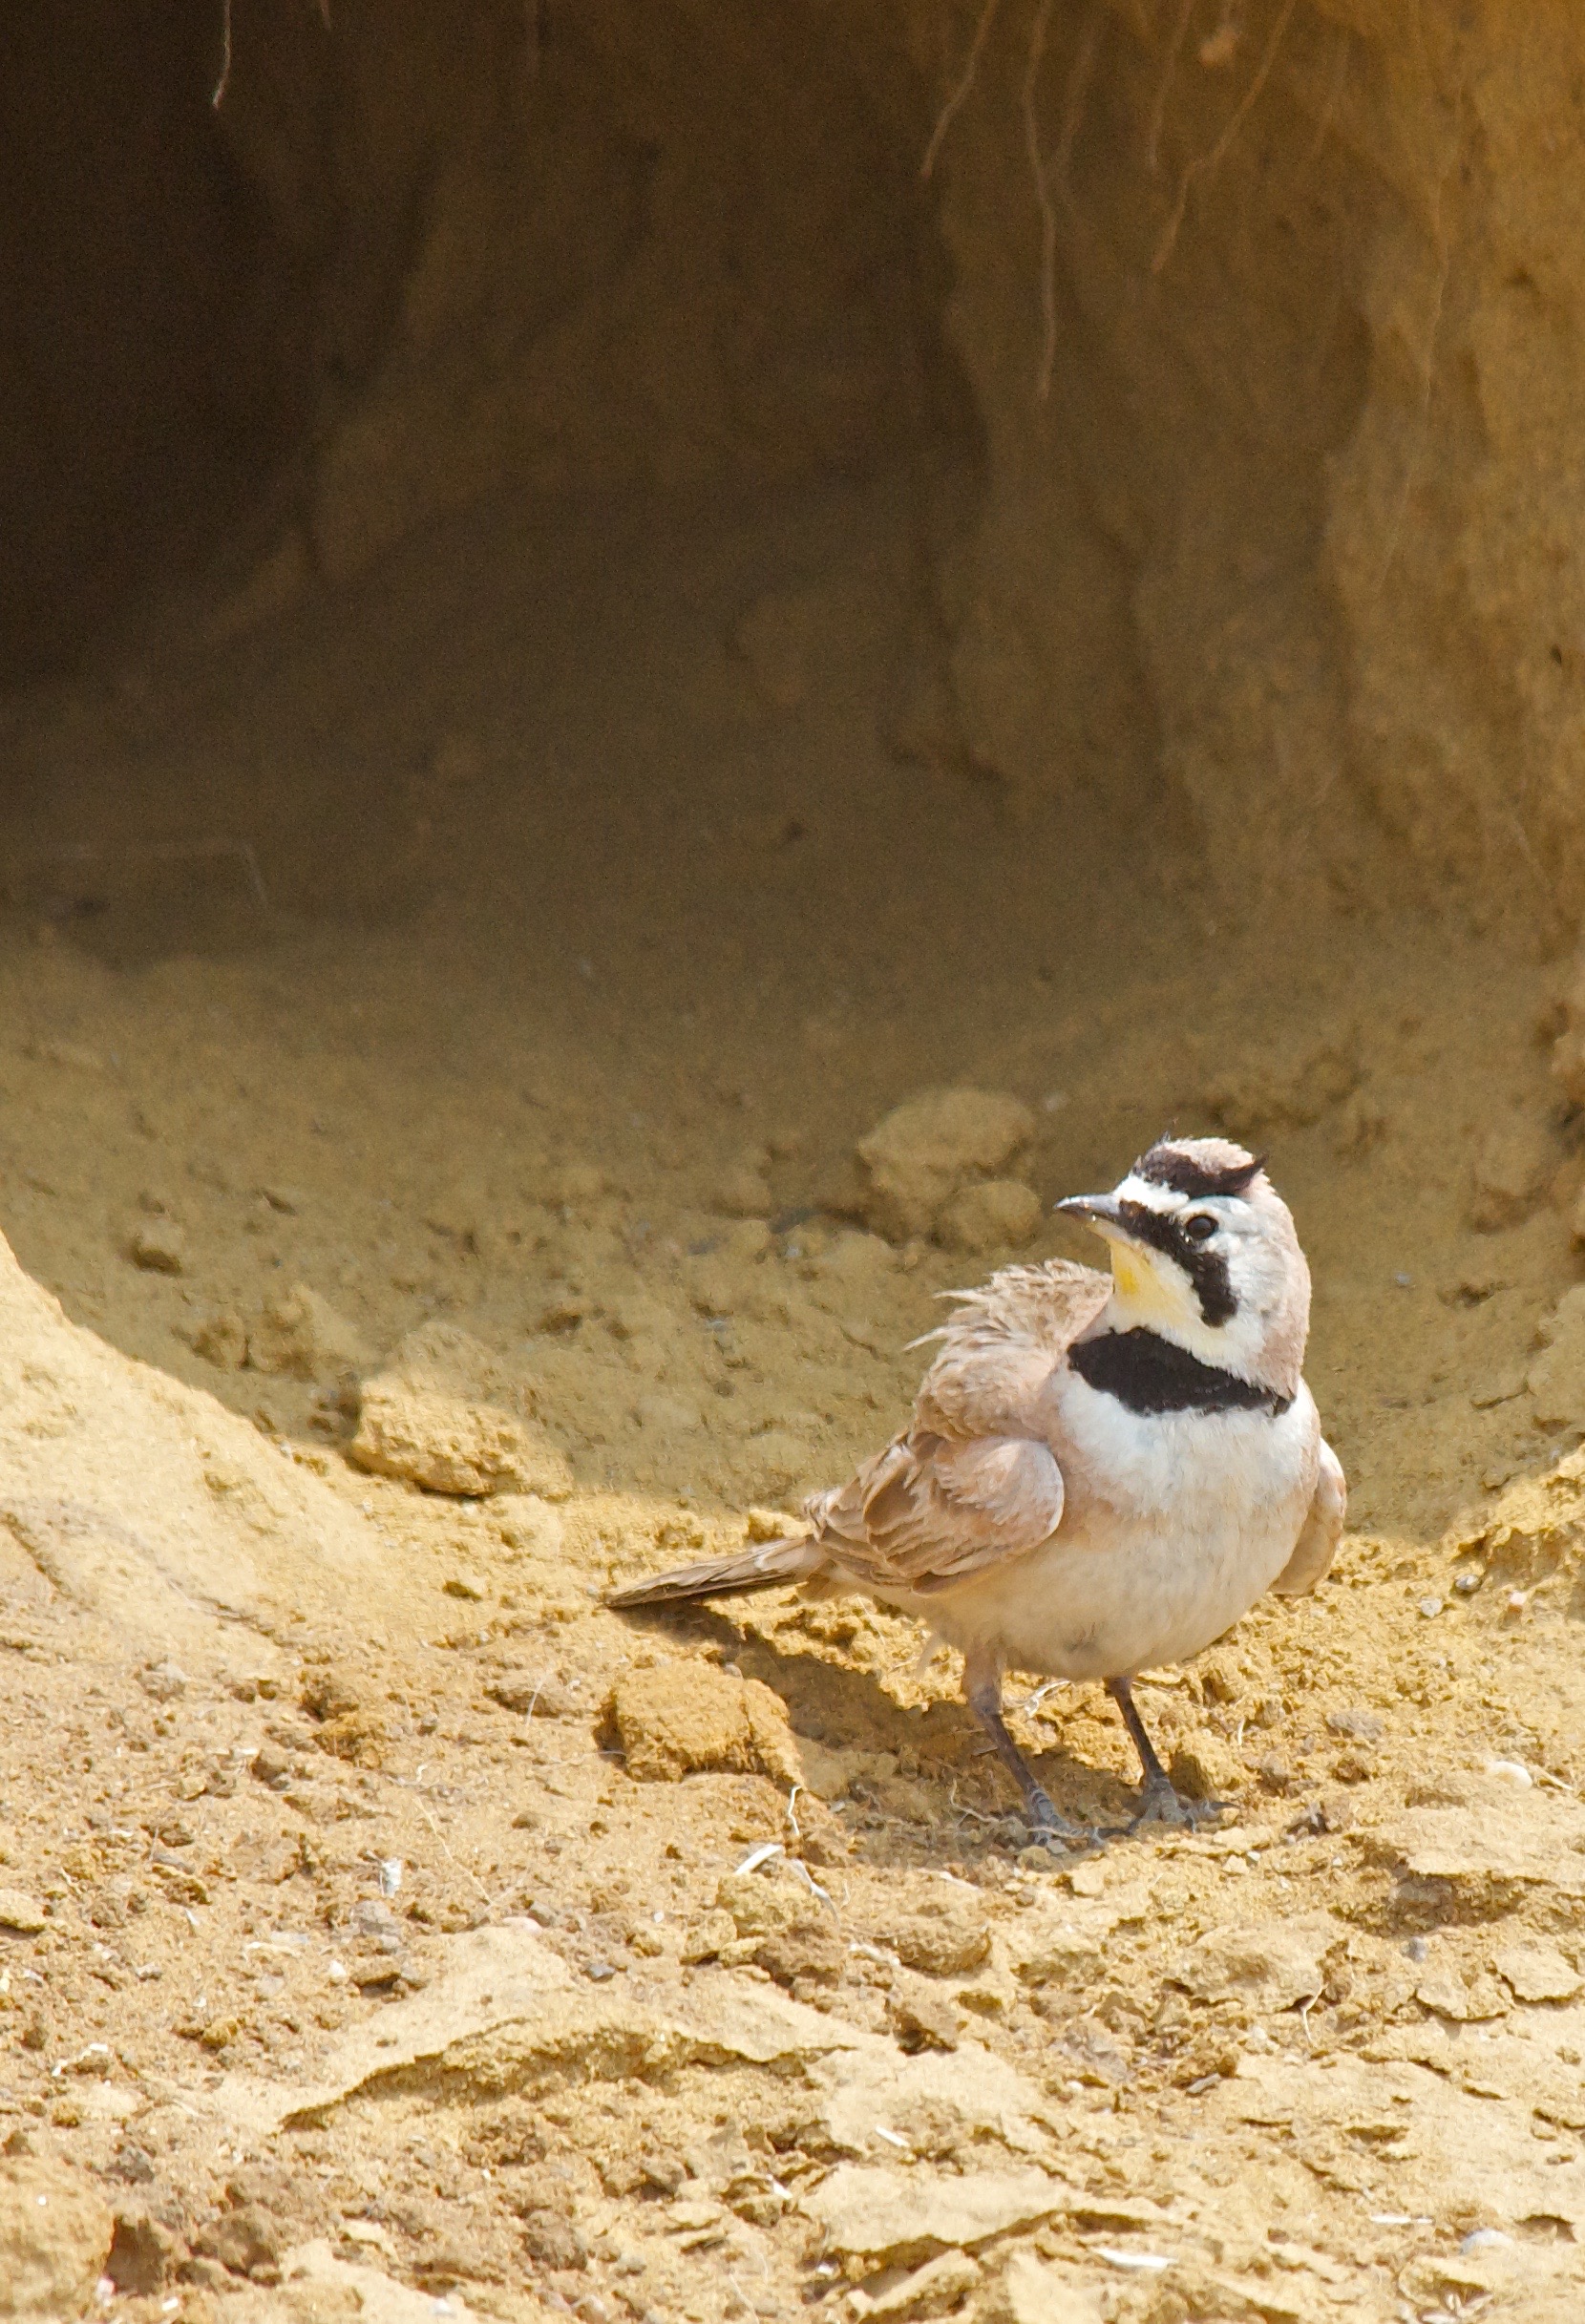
(361, 1940)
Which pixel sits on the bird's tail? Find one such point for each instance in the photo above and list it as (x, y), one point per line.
(765, 1567)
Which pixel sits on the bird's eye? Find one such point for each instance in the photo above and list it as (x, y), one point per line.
(1200, 1228)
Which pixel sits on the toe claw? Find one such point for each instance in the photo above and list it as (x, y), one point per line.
(1049, 1827)
(1160, 1803)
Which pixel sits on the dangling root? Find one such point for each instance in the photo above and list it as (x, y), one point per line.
(1042, 195)
(1164, 87)
(960, 96)
(1202, 164)
(1080, 76)
(225, 58)
(1334, 99)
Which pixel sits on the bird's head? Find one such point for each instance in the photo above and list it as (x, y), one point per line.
(1204, 1252)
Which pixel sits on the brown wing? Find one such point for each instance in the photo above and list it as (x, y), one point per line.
(974, 1481)
(927, 1512)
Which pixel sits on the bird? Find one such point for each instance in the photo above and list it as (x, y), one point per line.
(1105, 1468)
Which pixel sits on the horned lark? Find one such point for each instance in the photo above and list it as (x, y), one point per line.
(1103, 1470)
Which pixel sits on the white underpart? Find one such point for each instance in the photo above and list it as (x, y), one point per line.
(1176, 1524)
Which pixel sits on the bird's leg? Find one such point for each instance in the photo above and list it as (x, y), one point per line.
(983, 1693)
(1159, 1803)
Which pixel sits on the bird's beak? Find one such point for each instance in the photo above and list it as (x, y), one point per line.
(1098, 1211)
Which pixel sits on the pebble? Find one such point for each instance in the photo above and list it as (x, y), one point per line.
(20, 1911)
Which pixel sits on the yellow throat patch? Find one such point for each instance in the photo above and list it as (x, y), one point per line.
(1144, 1290)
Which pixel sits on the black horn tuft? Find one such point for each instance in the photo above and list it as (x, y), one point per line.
(1189, 1173)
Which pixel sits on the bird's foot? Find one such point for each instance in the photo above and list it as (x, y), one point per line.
(1048, 1828)
(1159, 1804)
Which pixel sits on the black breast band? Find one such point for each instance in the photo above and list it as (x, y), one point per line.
(1149, 1374)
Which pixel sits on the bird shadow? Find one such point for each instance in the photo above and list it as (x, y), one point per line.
(946, 1780)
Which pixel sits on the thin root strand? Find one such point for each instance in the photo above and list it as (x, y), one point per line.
(1202, 164)
(960, 96)
(1043, 196)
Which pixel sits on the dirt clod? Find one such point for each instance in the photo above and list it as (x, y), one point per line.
(21, 1912)
(682, 1717)
(55, 2234)
(920, 2017)
(424, 1437)
(1207, 1768)
(997, 1214)
(926, 1151)
(551, 2238)
(298, 1333)
(942, 1935)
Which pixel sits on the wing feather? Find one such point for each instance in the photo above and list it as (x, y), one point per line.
(1322, 1529)
(974, 1481)
(925, 1512)
(1001, 1348)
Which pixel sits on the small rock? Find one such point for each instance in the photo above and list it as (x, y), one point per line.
(662, 2171)
(1556, 1377)
(1360, 1726)
(925, 1151)
(22, 1913)
(529, 1525)
(244, 2237)
(533, 1693)
(165, 1681)
(427, 1438)
(1207, 1768)
(1510, 1174)
(550, 2237)
(301, 1335)
(990, 1217)
(143, 2253)
(55, 2233)
(768, 1902)
(934, 2290)
(921, 2017)
(351, 1722)
(1443, 1989)
(895, 2217)
(708, 1938)
(1035, 2293)
(679, 1718)
(1046, 1952)
(811, 1952)
(158, 1246)
(1537, 1973)
(221, 1340)
(944, 1936)
(1272, 1964)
